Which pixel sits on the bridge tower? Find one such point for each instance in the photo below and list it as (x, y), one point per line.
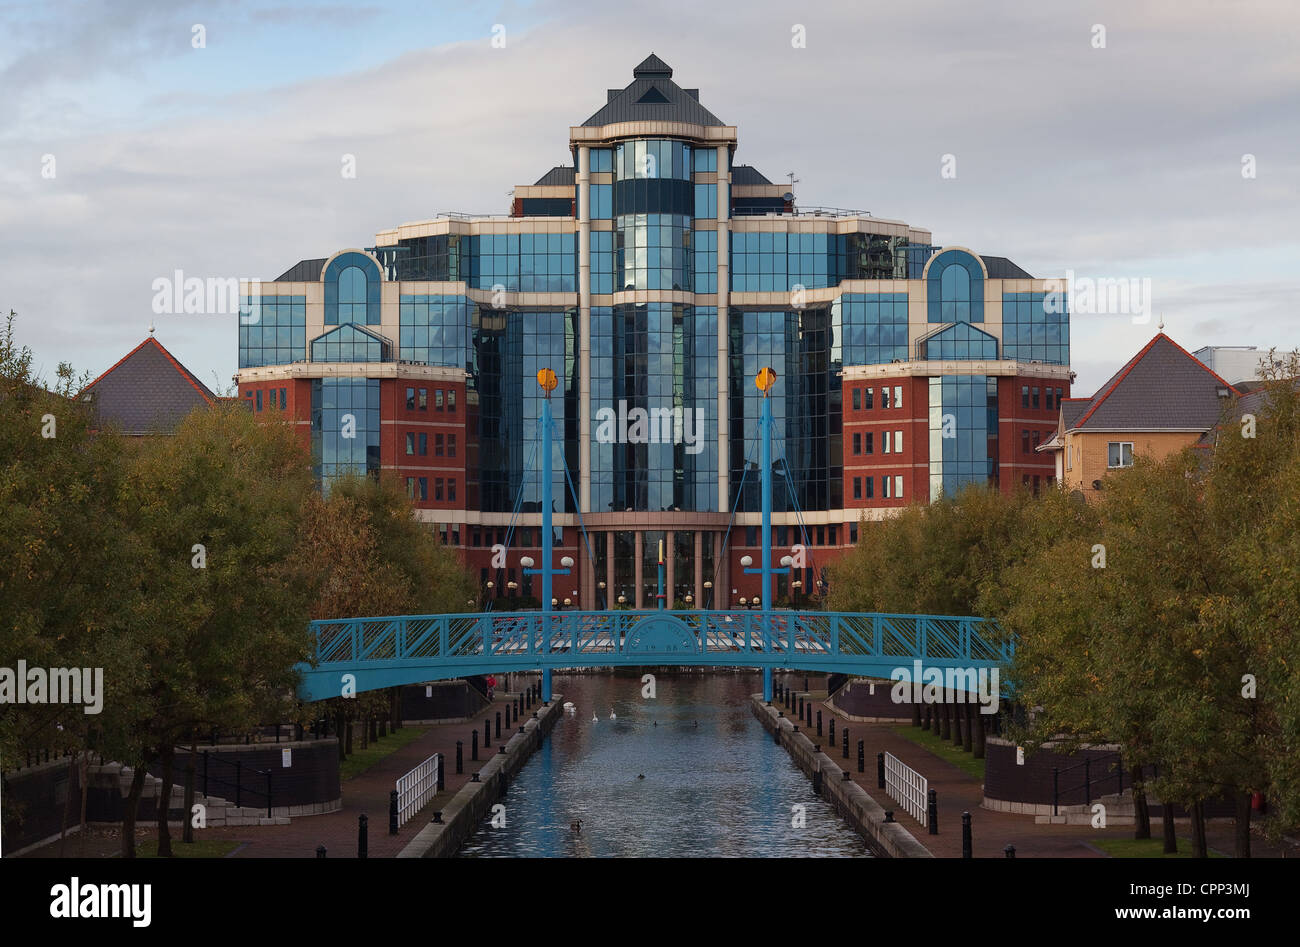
(764, 381)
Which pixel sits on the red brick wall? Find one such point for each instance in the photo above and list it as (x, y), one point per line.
(1013, 419)
(912, 463)
(433, 422)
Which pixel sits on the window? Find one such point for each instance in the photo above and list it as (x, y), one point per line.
(1036, 485)
(1119, 454)
(857, 488)
(857, 399)
(751, 535)
(410, 488)
(1047, 398)
(437, 399)
(898, 487)
(424, 399)
(424, 488)
(871, 487)
(1024, 441)
(284, 399)
(821, 536)
(1069, 457)
(885, 449)
(870, 442)
(259, 399)
(477, 539)
(857, 442)
(451, 445)
(1058, 397)
(424, 445)
(833, 534)
(884, 398)
(886, 487)
(869, 398)
(1035, 398)
(451, 399)
(1036, 440)
(451, 494)
(437, 445)
(898, 442)
(853, 533)
(1024, 396)
(898, 396)
(437, 489)
(410, 443)
(410, 399)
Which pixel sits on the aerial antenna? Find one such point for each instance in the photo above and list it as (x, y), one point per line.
(1162, 322)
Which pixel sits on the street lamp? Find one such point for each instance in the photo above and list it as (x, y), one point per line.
(568, 602)
(708, 594)
(746, 561)
(527, 562)
(742, 602)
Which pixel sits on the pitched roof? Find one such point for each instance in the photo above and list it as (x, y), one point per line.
(746, 174)
(653, 97)
(304, 271)
(560, 174)
(1071, 408)
(147, 392)
(1162, 387)
(1000, 267)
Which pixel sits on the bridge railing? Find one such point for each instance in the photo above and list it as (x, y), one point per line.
(446, 638)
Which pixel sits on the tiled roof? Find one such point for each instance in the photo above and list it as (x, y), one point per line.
(147, 392)
(1000, 267)
(1161, 388)
(1072, 408)
(653, 97)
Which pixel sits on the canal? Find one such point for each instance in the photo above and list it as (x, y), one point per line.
(715, 784)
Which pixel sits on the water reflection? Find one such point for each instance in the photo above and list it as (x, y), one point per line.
(715, 785)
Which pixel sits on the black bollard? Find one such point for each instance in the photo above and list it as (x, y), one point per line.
(862, 758)
(320, 851)
(966, 851)
(487, 733)
(889, 815)
(392, 812)
(819, 723)
(473, 747)
(498, 725)
(845, 775)
(846, 743)
(442, 772)
(880, 770)
(437, 817)
(460, 754)
(474, 778)
(776, 736)
(1009, 851)
(932, 813)
(363, 845)
(832, 732)
(817, 781)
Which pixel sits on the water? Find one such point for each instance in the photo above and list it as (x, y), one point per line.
(715, 783)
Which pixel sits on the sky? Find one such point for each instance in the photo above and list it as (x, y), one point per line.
(1107, 139)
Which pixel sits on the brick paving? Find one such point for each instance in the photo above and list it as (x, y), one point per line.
(991, 831)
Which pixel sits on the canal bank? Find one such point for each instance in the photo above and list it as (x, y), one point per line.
(849, 800)
(474, 801)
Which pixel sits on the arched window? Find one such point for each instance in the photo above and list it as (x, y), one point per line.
(352, 290)
(955, 288)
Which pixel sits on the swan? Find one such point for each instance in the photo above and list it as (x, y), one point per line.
(594, 718)
(612, 715)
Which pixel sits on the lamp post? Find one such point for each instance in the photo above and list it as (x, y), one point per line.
(547, 381)
(708, 593)
(764, 381)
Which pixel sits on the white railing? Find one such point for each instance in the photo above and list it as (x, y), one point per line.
(416, 788)
(908, 787)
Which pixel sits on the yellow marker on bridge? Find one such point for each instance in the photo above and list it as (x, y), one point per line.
(546, 378)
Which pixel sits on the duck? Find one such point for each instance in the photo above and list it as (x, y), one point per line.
(641, 776)
(612, 715)
(576, 826)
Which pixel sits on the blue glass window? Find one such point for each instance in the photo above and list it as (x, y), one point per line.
(435, 330)
(963, 432)
(272, 330)
(350, 343)
(960, 341)
(871, 328)
(344, 427)
(1036, 327)
(352, 290)
(955, 288)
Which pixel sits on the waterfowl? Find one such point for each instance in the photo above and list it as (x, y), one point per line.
(576, 826)
(641, 776)
(594, 718)
(612, 715)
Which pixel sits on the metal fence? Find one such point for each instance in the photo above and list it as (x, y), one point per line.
(417, 787)
(908, 787)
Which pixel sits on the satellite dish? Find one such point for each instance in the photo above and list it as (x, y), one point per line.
(787, 196)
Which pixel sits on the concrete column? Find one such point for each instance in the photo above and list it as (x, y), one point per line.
(699, 569)
(670, 570)
(638, 556)
(584, 330)
(724, 290)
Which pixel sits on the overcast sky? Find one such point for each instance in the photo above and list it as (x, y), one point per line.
(224, 161)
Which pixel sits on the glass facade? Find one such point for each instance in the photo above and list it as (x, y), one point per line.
(806, 409)
(344, 427)
(272, 330)
(955, 288)
(963, 432)
(349, 343)
(1030, 332)
(435, 330)
(654, 443)
(524, 263)
(871, 328)
(352, 290)
(960, 341)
